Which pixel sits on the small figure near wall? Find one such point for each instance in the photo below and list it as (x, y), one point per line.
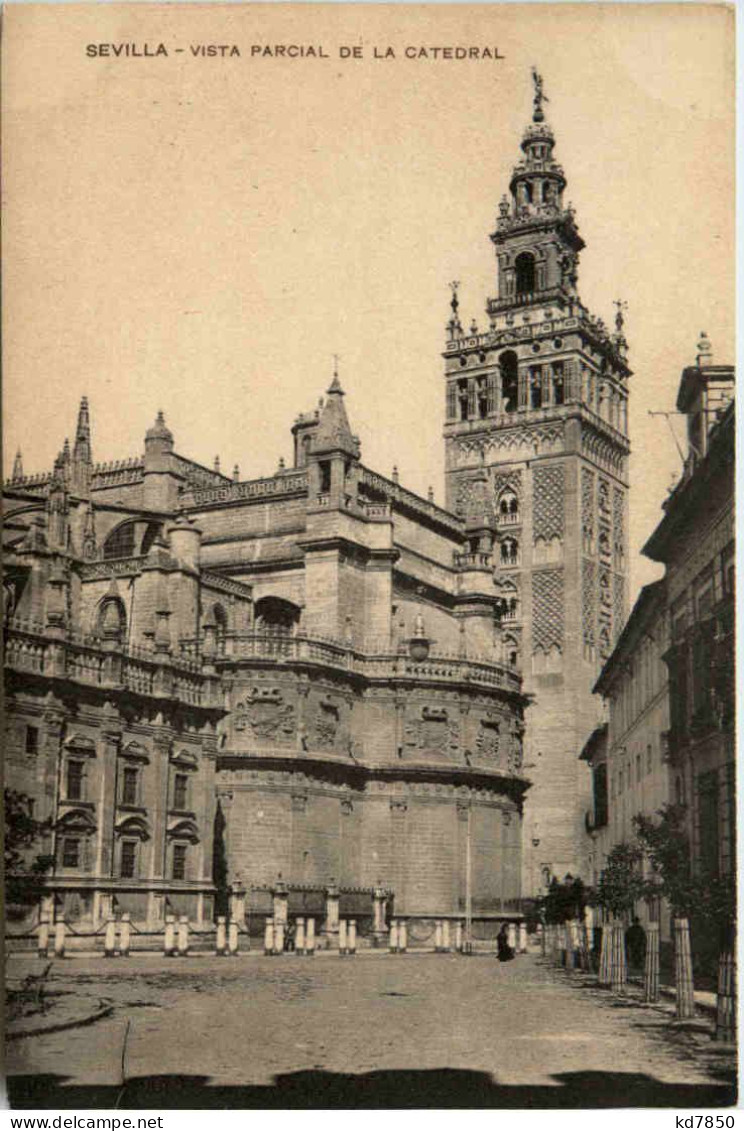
(504, 952)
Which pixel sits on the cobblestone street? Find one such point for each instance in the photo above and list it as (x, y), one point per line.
(372, 1031)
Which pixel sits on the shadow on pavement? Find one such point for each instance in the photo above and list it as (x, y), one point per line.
(430, 1088)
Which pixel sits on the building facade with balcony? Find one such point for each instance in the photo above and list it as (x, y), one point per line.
(536, 436)
(628, 753)
(695, 542)
(312, 664)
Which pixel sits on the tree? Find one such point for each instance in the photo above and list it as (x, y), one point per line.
(621, 884)
(24, 876)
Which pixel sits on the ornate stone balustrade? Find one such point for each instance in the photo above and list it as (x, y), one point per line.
(474, 560)
(30, 648)
(294, 484)
(385, 664)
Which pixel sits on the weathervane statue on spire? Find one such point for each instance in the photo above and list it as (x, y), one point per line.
(540, 96)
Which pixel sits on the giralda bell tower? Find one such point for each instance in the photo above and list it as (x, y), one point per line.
(536, 439)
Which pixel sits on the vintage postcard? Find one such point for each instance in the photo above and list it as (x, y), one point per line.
(369, 556)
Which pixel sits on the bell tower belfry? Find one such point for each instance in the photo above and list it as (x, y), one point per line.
(537, 402)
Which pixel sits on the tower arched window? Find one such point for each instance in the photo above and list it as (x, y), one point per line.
(559, 386)
(508, 508)
(511, 651)
(525, 273)
(536, 387)
(509, 367)
(220, 622)
(509, 552)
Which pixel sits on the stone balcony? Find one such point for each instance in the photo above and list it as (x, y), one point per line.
(380, 662)
(32, 648)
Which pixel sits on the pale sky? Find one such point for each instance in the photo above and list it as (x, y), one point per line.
(203, 234)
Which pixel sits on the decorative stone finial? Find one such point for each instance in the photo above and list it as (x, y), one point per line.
(704, 350)
(396, 476)
(236, 474)
(430, 494)
(217, 464)
(17, 466)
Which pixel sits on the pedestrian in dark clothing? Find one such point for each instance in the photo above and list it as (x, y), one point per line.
(635, 943)
(289, 937)
(504, 952)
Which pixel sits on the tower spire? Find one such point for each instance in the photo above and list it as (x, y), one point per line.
(17, 466)
(82, 451)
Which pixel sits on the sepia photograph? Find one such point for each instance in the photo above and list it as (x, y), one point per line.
(368, 556)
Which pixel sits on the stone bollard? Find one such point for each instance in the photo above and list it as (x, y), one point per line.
(438, 936)
(402, 936)
(512, 936)
(310, 937)
(446, 940)
(169, 942)
(651, 965)
(300, 935)
(183, 936)
(458, 936)
(220, 945)
(342, 925)
(279, 937)
(125, 935)
(351, 936)
(394, 937)
(232, 937)
(43, 940)
(269, 937)
(522, 938)
(59, 938)
(109, 938)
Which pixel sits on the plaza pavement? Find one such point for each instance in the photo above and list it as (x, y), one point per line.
(374, 1030)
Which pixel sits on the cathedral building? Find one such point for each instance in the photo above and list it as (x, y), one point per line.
(317, 680)
(536, 438)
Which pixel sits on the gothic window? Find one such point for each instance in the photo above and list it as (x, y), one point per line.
(509, 552)
(325, 476)
(120, 543)
(535, 387)
(509, 608)
(509, 380)
(525, 272)
(508, 508)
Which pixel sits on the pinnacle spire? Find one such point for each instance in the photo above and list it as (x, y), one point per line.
(18, 466)
(334, 432)
(82, 450)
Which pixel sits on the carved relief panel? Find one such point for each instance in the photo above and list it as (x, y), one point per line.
(264, 715)
(432, 731)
